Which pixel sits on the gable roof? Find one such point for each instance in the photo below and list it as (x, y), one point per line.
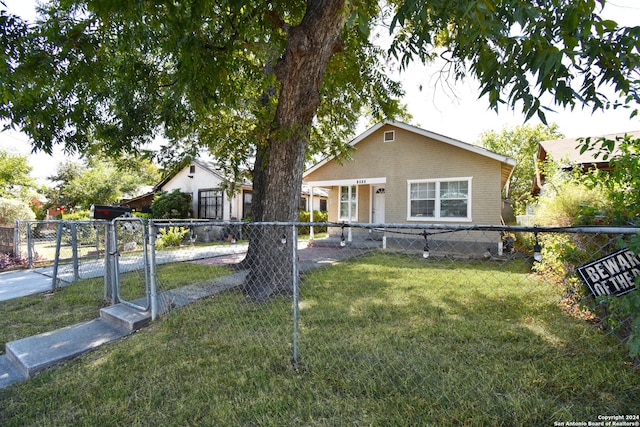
(568, 150)
(208, 165)
(508, 163)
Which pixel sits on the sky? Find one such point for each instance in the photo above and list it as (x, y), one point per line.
(453, 111)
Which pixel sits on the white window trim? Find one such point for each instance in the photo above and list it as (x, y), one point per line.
(343, 219)
(391, 133)
(437, 217)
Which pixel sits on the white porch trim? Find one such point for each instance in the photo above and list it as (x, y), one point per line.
(352, 181)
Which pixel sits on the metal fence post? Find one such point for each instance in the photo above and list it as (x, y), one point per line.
(56, 261)
(29, 246)
(16, 238)
(296, 308)
(152, 271)
(109, 295)
(74, 250)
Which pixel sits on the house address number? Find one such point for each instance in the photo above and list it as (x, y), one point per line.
(361, 181)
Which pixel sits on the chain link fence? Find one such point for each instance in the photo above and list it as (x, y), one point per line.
(388, 324)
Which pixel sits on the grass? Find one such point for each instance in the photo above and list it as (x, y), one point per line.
(82, 300)
(383, 341)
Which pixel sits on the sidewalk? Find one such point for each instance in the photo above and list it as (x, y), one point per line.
(16, 284)
(20, 283)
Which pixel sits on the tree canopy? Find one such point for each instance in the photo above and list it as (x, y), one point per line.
(99, 181)
(15, 181)
(520, 143)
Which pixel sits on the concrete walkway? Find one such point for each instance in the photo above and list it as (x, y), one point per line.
(26, 357)
(20, 283)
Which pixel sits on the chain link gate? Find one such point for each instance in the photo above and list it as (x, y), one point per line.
(128, 252)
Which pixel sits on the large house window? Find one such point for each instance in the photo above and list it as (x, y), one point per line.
(210, 204)
(348, 203)
(444, 199)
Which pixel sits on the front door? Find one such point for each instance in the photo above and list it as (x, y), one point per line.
(377, 207)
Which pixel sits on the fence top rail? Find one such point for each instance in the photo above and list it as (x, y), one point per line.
(376, 227)
(425, 227)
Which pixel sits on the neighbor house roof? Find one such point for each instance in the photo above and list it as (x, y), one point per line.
(567, 153)
(567, 150)
(209, 165)
(508, 163)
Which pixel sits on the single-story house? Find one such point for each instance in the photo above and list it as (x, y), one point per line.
(566, 152)
(209, 200)
(402, 174)
(206, 184)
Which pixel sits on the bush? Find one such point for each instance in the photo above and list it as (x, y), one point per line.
(77, 215)
(171, 236)
(171, 205)
(318, 216)
(13, 209)
(9, 261)
(595, 198)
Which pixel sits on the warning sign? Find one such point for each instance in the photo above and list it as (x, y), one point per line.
(614, 274)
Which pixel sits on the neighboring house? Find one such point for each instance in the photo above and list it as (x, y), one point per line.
(141, 202)
(400, 173)
(209, 199)
(566, 152)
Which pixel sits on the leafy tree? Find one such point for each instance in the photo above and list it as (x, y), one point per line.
(622, 183)
(99, 181)
(15, 181)
(262, 79)
(171, 205)
(520, 143)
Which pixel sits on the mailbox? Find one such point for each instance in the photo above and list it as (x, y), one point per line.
(108, 212)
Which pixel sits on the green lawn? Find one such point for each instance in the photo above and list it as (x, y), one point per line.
(383, 341)
(82, 300)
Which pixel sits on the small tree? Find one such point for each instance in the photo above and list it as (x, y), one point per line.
(15, 181)
(520, 143)
(171, 205)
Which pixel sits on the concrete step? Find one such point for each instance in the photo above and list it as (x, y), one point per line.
(126, 317)
(33, 354)
(9, 372)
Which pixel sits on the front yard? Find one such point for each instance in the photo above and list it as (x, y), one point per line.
(384, 340)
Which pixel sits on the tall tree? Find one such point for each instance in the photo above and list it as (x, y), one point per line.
(268, 73)
(99, 180)
(520, 143)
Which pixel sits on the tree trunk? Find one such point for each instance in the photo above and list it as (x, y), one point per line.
(300, 72)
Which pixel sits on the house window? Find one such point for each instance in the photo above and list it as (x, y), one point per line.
(390, 136)
(445, 199)
(323, 205)
(210, 204)
(303, 204)
(348, 203)
(192, 169)
(247, 197)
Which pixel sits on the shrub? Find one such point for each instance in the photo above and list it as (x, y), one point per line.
(171, 205)
(9, 261)
(171, 236)
(77, 215)
(318, 216)
(13, 209)
(594, 199)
